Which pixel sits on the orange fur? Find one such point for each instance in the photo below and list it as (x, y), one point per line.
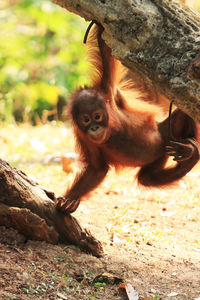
(136, 100)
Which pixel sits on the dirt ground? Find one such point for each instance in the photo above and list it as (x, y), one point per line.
(150, 240)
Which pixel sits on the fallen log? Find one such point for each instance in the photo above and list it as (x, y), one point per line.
(30, 209)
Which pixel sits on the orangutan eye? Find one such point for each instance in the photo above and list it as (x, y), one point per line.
(98, 116)
(86, 120)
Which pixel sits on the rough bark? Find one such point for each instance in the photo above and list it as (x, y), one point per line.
(30, 209)
(157, 39)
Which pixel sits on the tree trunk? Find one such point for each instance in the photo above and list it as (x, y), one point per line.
(30, 209)
(157, 39)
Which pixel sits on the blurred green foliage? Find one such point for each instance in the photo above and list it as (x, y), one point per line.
(42, 58)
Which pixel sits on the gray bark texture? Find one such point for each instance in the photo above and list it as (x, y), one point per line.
(30, 209)
(157, 39)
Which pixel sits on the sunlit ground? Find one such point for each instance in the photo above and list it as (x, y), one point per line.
(38, 151)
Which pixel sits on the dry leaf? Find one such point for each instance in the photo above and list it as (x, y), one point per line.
(122, 286)
(173, 294)
(130, 291)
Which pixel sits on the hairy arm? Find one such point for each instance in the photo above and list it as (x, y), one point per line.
(89, 178)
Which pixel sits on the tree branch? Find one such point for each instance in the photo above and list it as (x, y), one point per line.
(157, 39)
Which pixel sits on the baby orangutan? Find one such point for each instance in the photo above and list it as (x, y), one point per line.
(110, 132)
